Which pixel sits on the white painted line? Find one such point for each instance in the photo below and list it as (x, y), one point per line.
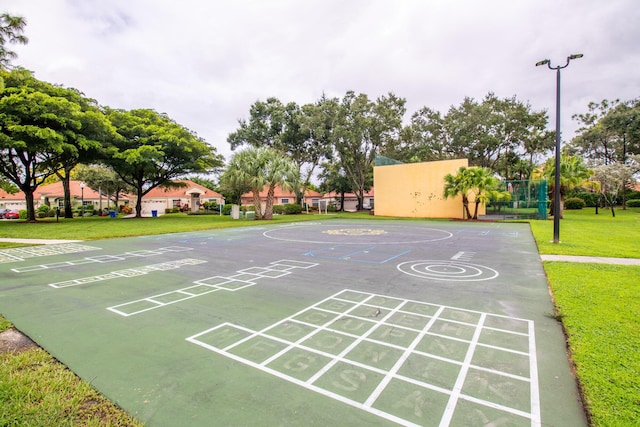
(131, 272)
(216, 283)
(462, 375)
(536, 419)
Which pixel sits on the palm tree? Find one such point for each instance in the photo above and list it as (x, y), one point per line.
(11, 28)
(573, 173)
(458, 184)
(258, 168)
(477, 181)
(485, 187)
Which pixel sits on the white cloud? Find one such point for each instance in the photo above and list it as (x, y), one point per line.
(204, 62)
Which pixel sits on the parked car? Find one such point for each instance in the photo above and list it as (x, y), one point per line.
(11, 215)
(2, 212)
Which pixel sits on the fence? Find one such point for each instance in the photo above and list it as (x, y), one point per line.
(529, 200)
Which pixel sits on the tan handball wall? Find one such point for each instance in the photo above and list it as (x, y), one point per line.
(415, 190)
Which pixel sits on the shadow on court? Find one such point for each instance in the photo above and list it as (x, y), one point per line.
(334, 322)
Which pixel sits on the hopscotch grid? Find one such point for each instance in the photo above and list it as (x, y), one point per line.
(101, 259)
(318, 329)
(454, 394)
(340, 357)
(214, 287)
(132, 272)
(20, 254)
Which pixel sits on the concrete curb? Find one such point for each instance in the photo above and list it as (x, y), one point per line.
(591, 259)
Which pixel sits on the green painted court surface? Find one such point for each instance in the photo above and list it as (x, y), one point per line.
(372, 323)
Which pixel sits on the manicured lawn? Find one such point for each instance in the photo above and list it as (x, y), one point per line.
(584, 233)
(598, 304)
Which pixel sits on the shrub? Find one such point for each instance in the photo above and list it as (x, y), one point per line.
(44, 208)
(292, 209)
(590, 199)
(226, 209)
(633, 203)
(574, 203)
(210, 206)
(126, 209)
(22, 214)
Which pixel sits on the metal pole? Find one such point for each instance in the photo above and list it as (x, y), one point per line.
(556, 188)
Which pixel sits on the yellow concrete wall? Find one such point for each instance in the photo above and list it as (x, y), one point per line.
(415, 190)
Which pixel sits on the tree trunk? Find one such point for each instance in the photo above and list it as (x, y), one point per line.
(465, 204)
(257, 205)
(268, 209)
(139, 204)
(68, 210)
(31, 211)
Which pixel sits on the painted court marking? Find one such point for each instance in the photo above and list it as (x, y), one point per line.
(430, 234)
(372, 254)
(407, 361)
(103, 258)
(448, 270)
(243, 279)
(129, 272)
(20, 254)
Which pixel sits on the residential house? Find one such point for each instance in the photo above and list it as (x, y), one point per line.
(188, 198)
(52, 195)
(282, 197)
(350, 200)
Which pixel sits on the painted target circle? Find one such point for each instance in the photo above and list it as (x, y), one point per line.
(447, 270)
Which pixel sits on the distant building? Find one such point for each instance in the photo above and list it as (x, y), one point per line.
(189, 197)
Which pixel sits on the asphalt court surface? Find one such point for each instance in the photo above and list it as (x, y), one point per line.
(313, 323)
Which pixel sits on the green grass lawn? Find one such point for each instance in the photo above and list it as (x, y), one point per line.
(599, 306)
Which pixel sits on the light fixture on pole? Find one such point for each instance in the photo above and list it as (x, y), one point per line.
(556, 187)
(82, 198)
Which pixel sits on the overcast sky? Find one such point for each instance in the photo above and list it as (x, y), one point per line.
(204, 62)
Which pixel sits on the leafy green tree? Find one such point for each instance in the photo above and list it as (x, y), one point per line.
(40, 124)
(83, 146)
(334, 178)
(103, 180)
(257, 168)
(573, 173)
(288, 128)
(11, 32)
(494, 133)
(362, 128)
(153, 150)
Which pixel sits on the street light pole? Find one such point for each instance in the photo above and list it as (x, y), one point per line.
(556, 187)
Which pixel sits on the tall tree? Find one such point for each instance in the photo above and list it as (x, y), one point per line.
(494, 133)
(362, 129)
(257, 168)
(83, 146)
(458, 184)
(153, 150)
(11, 32)
(39, 125)
(288, 128)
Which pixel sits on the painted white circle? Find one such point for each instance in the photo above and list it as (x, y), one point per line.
(448, 270)
(383, 234)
